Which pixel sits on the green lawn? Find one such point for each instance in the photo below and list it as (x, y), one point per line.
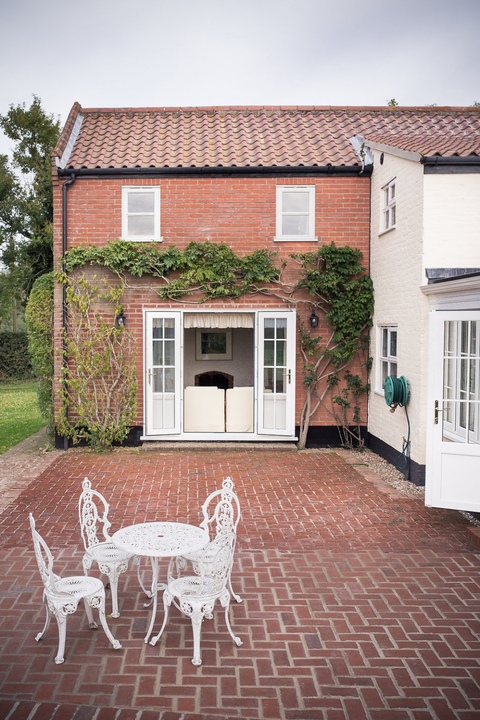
(19, 413)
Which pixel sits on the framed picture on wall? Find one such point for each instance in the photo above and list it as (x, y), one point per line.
(213, 345)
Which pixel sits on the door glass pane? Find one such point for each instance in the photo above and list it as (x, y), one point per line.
(268, 375)
(158, 380)
(169, 380)
(157, 329)
(169, 328)
(280, 383)
(461, 395)
(157, 353)
(281, 352)
(169, 352)
(281, 328)
(269, 352)
(269, 328)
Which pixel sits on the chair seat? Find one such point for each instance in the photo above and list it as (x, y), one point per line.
(108, 552)
(77, 586)
(192, 587)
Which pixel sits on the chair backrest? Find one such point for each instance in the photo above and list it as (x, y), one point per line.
(221, 510)
(215, 562)
(44, 559)
(93, 515)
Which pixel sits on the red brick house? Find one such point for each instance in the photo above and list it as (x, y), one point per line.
(286, 180)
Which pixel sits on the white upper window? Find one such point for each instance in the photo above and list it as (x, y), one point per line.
(389, 206)
(295, 213)
(141, 213)
(388, 361)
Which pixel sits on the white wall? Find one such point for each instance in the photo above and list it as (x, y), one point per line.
(452, 221)
(397, 273)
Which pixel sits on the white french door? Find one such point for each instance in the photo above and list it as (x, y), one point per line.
(276, 372)
(453, 431)
(163, 348)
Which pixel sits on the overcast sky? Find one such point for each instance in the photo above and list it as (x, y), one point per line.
(138, 53)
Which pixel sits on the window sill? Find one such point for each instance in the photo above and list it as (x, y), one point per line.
(142, 239)
(384, 232)
(294, 239)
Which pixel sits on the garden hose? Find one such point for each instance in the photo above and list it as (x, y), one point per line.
(396, 393)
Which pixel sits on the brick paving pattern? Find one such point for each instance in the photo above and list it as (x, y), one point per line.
(358, 602)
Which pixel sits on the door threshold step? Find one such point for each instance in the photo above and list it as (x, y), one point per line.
(218, 446)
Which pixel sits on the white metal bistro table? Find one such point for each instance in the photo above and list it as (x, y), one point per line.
(160, 540)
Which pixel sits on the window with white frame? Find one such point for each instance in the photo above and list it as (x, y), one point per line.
(295, 213)
(387, 353)
(141, 213)
(389, 206)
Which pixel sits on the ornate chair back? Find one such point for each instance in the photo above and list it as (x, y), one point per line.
(44, 559)
(93, 515)
(215, 564)
(221, 510)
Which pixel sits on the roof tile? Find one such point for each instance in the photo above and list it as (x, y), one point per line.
(260, 136)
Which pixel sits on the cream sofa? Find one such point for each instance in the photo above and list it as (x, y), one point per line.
(239, 409)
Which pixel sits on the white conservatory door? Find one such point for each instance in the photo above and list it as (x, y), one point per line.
(276, 372)
(162, 372)
(453, 431)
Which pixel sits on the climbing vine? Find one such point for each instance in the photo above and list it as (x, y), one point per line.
(337, 282)
(209, 269)
(331, 279)
(98, 384)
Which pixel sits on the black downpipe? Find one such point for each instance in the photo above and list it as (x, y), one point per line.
(65, 187)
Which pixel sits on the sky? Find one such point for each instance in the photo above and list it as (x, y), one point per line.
(171, 53)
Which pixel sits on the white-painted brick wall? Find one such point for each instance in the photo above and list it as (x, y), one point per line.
(452, 221)
(438, 225)
(396, 268)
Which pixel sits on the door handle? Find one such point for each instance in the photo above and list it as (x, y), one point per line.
(149, 376)
(289, 377)
(437, 410)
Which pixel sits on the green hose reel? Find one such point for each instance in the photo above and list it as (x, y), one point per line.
(396, 391)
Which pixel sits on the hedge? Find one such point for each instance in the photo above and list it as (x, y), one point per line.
(15, 361)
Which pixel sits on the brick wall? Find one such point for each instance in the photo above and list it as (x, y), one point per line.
(240, 212)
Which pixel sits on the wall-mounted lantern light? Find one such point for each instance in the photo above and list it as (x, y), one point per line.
(120, 320)
(313, 318)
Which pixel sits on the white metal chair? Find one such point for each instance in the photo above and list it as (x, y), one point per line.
(62, 595)
(195, 595)
(221, 514)
(99, 548)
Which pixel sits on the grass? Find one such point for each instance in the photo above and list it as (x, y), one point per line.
(19, 413)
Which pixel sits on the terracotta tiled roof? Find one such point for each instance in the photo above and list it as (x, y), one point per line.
(257, 136)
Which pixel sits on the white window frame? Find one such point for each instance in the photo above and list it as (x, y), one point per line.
(389, 206)
(131, 189)
(388, 358)
(310, 236)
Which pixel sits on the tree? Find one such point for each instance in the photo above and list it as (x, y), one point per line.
(26, 201)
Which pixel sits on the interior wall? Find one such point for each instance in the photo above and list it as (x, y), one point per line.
(241, 366)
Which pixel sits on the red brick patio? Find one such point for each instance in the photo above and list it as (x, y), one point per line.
(358, 602)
